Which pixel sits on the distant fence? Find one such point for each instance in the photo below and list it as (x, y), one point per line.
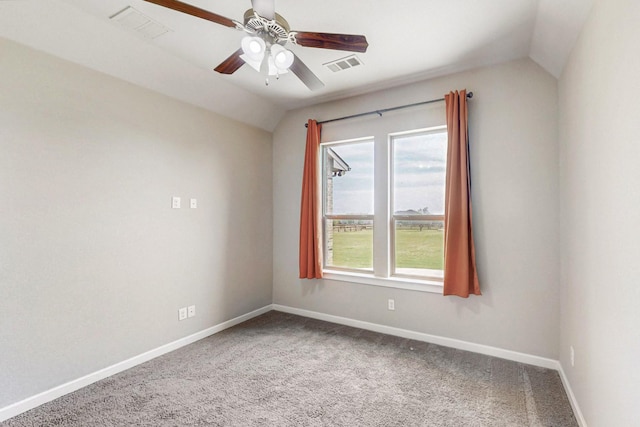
(343, 228)
(431, 225)
(351, 227)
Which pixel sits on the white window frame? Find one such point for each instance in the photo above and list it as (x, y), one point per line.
(383, 221)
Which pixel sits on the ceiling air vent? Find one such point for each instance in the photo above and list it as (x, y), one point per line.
(343, 63)
(133, 19)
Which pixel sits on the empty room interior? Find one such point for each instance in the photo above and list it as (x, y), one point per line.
(244, 212)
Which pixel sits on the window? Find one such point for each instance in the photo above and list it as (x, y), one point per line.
(418, 180)
(348, 205)
(385, 219)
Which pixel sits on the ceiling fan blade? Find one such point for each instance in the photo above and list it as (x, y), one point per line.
(264, 8)
(348, 42)
(305, 74)
(231, 64)
(195, 11)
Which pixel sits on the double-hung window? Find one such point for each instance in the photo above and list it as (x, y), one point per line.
(417, 194)
(348, 205)
(383, 208)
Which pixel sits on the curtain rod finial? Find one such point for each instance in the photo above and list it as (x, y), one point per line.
(470, 95)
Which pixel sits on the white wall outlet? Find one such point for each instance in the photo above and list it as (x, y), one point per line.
(391, 305)
(573, 355)
(182, 313)
(193, 203)
(175, 202)
(191, 310)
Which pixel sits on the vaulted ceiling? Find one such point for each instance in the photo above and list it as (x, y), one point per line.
(408, 40)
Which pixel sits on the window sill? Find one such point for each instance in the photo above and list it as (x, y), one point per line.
(431, 286)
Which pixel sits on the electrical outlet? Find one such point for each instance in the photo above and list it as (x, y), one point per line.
(391, 305)
(191, 310)
(175, 202)
(182, 313)
(573, 355)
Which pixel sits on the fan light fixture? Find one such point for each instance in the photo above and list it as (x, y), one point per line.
(253, 48)
(283, 58)
(258, 54)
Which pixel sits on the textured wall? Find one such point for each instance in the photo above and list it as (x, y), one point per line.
(94, 263)
(600, 215)
(513, 122)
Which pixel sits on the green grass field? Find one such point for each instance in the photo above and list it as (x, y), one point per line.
(414, 249)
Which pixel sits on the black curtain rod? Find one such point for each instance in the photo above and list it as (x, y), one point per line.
(386, 110)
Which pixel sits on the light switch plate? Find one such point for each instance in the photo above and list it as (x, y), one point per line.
(191, 310)
(194, 203)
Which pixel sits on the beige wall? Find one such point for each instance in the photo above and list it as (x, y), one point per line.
(93, 262)
(514, 170)
(600, 215)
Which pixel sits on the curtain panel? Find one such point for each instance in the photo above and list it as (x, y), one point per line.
(310, 224)
(460, 274)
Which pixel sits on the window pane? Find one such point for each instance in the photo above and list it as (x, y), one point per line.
(419, 163)
(419, 248)
(349, 178)
(349, 243)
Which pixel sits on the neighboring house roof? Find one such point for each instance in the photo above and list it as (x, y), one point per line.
(338, 167)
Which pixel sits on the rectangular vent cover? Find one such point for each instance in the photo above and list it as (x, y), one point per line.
(343, 63)
(133, 19)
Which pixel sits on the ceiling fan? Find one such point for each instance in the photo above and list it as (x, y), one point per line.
(267, 34)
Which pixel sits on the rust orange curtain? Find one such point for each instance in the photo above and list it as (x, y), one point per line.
(310, 241)
(460, 274)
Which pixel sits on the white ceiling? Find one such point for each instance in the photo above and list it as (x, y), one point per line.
(408, 40)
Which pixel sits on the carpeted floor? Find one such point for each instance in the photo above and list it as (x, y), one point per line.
(285, 370)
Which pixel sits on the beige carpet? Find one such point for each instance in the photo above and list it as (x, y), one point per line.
(284, 370)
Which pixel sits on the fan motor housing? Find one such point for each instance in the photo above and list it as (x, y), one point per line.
(278, 28)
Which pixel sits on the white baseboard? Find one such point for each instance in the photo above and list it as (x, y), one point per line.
(419, 336)
(572, 398)
(49, 395)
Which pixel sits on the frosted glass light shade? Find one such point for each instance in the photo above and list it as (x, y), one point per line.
(252, 63)
(282, 58)
(253, 47)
